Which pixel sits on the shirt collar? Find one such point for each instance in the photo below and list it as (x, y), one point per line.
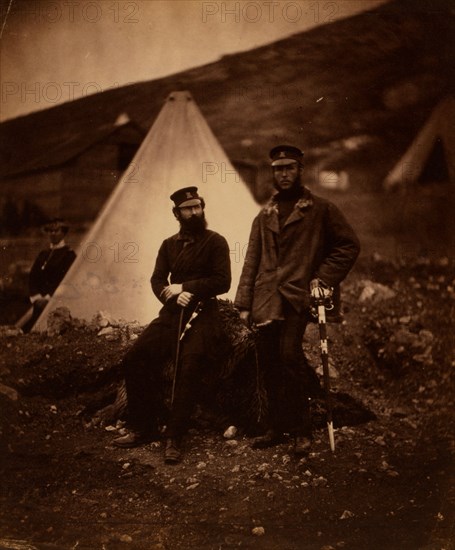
(60, 244)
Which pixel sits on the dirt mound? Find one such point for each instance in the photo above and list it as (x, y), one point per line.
(388, 485)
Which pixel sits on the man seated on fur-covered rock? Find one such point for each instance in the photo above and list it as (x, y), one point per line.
(192, 268)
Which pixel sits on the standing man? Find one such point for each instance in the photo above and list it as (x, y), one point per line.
(299, 243)
(191, 269)
(49, 269)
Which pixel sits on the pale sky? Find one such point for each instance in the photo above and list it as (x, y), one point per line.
(54, 51)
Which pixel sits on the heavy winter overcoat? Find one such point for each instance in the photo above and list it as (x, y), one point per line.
(202, 265)
(315, 241)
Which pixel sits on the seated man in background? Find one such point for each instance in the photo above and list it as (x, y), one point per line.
(48, 269)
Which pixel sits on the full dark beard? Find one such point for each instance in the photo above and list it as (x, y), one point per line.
(194, 225)
(294, 192)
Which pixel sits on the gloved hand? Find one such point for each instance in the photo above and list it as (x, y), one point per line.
(320, 290)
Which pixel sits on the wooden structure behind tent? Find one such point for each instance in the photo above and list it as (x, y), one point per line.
(75, 181)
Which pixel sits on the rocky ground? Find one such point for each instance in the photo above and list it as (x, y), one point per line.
(389, 484)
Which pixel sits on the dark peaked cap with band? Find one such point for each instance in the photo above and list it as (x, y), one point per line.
(281, 155)
(188, 196)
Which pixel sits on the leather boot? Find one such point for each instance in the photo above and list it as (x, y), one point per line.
(132, 439)
(302, 445)
(269, 439)
(172, 452)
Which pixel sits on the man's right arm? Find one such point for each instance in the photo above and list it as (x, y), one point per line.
(244, 296)
(160, 276)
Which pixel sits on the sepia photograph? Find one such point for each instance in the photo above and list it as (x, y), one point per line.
(227, 274)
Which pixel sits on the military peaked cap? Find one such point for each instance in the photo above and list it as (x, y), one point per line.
(188, 196)
(285, 154)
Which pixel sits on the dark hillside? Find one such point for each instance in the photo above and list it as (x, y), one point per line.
(377, 74)
(353, 94)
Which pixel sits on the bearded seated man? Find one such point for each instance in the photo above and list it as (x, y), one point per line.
(192, 268)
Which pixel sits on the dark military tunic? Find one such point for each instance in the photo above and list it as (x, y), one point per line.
(46, 274)
(202, 265)
(49, 269)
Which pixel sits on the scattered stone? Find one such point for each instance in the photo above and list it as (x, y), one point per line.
(191, 479)
(101, 320)
(258, 531)
(230, 432)
(319, 482)
(11, 393)
(106, 330)
(347, 514)
(58, 321)
(375, 292)
(405, 337)
(9, 331)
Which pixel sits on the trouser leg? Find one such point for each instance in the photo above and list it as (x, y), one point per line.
(295, 403)
(186, 394)
(268, 346)
(37, 310)
(142, 367)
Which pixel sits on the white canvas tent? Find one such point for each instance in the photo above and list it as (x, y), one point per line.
(116, 258)
(436, 138)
